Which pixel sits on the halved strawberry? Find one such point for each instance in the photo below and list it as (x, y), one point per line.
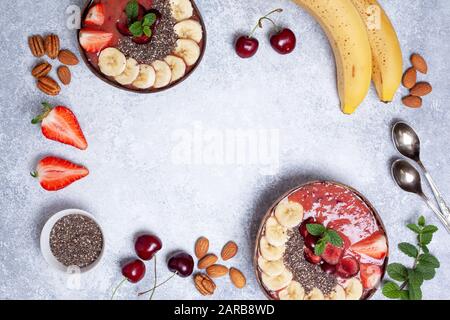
(370, 275)
(373, 246)
(347, 267)
(55, 173)
(60, 124)
(93, 40)
(95, 15)
(332, 254)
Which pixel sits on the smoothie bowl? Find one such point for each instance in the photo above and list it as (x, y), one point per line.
(321, 241)
(143, 46)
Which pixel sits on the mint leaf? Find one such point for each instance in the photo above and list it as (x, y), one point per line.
(315, 229)
(414, 292)
(414, 228)
(132, 10)
(429, 260)
(426, 271)
(147, 31)
(404, 295)
(414, 278)
(424, 248)
(421, 221)
(425, 238)
(335, 238)
(136, 29)
(397, 271)
(149, 19)
(429, 229)
(320, 247)
(391, 290)
(408, 249)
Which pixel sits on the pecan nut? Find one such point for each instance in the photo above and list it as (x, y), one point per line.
(36, 44)
(48, 86)
(204, 284)
(64, 75)
(52, 46)
(41, 70)
(67, 57)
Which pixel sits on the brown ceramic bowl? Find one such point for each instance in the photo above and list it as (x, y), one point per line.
(197, 16)
(271, 209)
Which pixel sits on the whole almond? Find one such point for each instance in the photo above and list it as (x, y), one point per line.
(237, 278)
(421, 89)
(36, 44)
(216, 271)
(419, 63)
(409, 78)
(201, 247)
(64, 75)
(67, 57)
(41, 70)
(207, 261)
(412, 101)
(48, 86)
(52, 46)
(204, 284)
(229, 250)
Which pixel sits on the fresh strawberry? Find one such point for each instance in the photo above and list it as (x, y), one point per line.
(95, 15)
(332, 254)
(55, 173)
(60, 124)
(373, 246)
(347, 267)
(93, 40)
(310, 256)
(370, 275)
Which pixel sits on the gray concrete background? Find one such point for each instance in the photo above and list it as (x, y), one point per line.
(135, 185)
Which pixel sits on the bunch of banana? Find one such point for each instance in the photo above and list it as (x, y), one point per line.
(362, 50)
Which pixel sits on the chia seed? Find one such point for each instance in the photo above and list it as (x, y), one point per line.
(307, 274)
(163, 40)
(76, 240)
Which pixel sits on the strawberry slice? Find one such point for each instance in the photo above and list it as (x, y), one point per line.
(373, 246)
(55, 173)
(332, 254)
(347, 267)
(93, 40)
(60, 124)
(95, 15)
(370, 275)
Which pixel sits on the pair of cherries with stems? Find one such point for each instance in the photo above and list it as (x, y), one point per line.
(146, 247)
(282, 41)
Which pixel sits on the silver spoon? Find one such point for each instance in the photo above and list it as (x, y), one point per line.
(408, 178)
(408, 144)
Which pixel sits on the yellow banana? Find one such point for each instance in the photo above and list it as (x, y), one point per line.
(387, 61)
(349, 39)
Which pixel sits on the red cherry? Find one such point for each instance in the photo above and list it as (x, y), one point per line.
(302, 229)
(134, 271)
(142, 39)
(182, 264)
(328, 268)
(310, 241)
(311, 257)
(246, 46)
(283, 41)
(147, 246)
(332, 254)
(347, 267)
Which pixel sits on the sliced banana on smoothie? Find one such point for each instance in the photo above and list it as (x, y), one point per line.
(315, 294)
(277, 282)
(294, 291)
(177, 67)
(181, 9)
(338, 293)
(275, 233)
(289, 213)
(130, 74)
(112, 62)
(189, 29)
(271, 268)
(353, 289)
(270, 252)
(163, 73)
(188, 50)
(146, 77)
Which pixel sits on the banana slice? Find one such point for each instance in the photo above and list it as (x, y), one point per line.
(112, 62)
(163, 73)
(130, 74)
(177, 67)
(353, 289)
(277, 282)
(189, 29)
(270, 252)
(275, 234)
(271, 268)
(146, 77)
(181, 9)
(294, 291)
(188, 50)
(315, 294)
(337, 294)
(289, 214)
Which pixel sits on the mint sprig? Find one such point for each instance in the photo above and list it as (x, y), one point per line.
(143, 27)
(326, 236)
(132, 10)
(424, 266)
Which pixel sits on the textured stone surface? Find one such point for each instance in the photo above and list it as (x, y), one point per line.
(135, 185)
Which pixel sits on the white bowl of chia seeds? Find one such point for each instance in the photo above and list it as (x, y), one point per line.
(72, 241)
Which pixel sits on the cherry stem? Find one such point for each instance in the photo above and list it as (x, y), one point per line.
(159, 285)
(117, 288)
(154, 283)
(259, 24)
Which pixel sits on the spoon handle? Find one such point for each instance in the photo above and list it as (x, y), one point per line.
(445, 220)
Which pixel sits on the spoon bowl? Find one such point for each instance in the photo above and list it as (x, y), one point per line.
(406, 140)
(407, 177)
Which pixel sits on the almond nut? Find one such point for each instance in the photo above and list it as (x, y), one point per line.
(409, 78)
(48, 86)
(64, 75)
(36, 44)
(41, 70)
(237, 278)
(204, 284)
(421, 89)
(216, 271)
(207, 261)
(419, 63)
(67, 57)
(201, 247)
(52, 46)
(412, 101)
(229, 250)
